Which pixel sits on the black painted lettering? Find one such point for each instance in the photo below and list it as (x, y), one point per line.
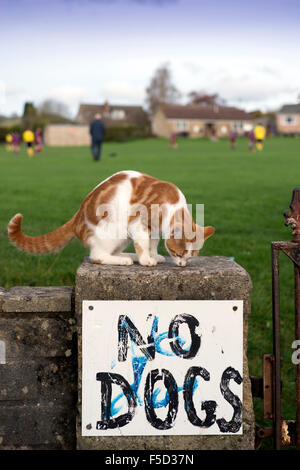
(192, 323)
(107, 421)
(171, 387)
(208, 406)
(235, 423)
(127, 328)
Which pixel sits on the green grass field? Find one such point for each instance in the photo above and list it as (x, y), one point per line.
(244, 194)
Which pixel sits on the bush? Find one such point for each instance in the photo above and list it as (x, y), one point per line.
(17, 128)
(125, 133)
(7, 130)
(41, 123)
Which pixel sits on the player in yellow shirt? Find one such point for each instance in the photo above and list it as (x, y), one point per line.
(8, 140)
(28, 137)
(260, 134)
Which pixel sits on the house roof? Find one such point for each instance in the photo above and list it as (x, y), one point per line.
(204, 112)
(290, 109)
(133, 115)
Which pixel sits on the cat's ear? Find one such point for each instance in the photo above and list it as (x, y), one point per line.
(208, 231)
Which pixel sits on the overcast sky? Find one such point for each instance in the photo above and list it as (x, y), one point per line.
(96, 50)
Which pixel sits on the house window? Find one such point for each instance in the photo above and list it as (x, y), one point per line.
(238, 125)
(289, 120)
(117, 114)
(181, 125)
(247, 127)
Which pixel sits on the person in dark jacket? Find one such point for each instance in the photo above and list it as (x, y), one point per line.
(97, 131)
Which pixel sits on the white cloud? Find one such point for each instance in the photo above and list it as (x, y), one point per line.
(256, 87)
(13, 91)
(9, 93)
(246, 85)
(68, 94)
(114, 91)
(2, 93)
(123, 92)
(259, 88)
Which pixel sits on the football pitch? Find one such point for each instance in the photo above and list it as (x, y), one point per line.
(244, 195)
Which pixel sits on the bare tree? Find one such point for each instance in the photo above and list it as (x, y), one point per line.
(51, 106)
(204, 99)
(161, 89)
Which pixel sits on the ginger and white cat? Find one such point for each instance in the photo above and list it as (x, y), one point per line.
(128, 206)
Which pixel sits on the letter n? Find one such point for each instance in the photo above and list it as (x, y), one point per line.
(125, 328)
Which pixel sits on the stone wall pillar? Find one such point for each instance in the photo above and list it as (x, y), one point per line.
(38, 368)
(206, 278)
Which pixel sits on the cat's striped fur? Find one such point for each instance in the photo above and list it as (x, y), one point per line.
(149, 204)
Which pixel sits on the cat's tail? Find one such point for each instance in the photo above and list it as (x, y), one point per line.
(52, 241)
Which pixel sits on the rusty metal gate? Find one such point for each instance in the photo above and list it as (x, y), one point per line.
(284, 432)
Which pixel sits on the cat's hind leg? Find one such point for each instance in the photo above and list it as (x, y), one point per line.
(132, 256)
(119, 260)
(119, 251)
(102, 252)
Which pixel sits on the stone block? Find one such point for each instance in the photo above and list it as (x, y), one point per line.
(38, 299)
(35, 426)
(39, 380)
(2, 293)
(205, 278)
(38, 368)
(35, 335)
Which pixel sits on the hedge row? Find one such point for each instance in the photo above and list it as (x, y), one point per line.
(113, 134)
(124, 133)
(18, 128)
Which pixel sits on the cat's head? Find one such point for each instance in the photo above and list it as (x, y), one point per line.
(185, 243)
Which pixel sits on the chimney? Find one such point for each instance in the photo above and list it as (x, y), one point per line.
(106, 108)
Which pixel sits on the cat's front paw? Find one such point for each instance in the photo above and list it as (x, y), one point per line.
(147, 261)
(126, 261)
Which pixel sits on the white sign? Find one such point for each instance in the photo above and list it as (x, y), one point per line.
(162, 367)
